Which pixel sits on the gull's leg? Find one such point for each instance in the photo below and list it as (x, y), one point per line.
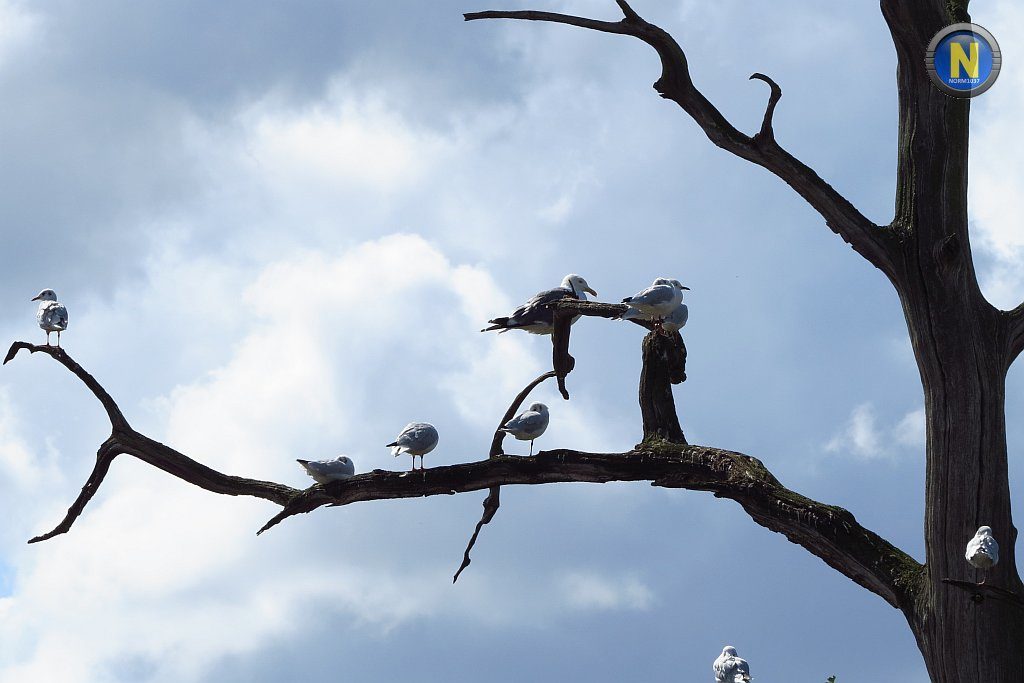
(58, 338)
(47, 337)
(531, 448)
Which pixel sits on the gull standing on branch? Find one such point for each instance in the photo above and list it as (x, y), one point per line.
(656, 302)
(529, 424)
(730, 668)
(51, 316)
(536, 316)
(324, 471)
(418, 438)
(983, 550)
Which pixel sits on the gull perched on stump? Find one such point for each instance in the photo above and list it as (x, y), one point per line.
(324, 471)
(730, 668)
(983, 550)
(536, 316)
(418, 438)
(529, 424)
(51, 316)
(676, 320)
(655, 303)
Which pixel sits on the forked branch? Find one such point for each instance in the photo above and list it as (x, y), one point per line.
(124, 439)
(873, 242)
(493, 500)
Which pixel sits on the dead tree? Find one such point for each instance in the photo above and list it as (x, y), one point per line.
(963, 346)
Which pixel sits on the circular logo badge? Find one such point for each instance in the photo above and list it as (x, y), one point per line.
(963, 60)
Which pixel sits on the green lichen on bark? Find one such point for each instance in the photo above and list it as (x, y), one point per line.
(957, 11)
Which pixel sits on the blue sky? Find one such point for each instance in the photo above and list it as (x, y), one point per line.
(278, 228)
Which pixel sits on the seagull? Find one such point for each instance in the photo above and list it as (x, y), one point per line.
(51, 316)
(656, 302)
(982, 550)
(729, 668)
(676, 320)
(324, 471)
(418, 438)
(529, 424)
(535, 316)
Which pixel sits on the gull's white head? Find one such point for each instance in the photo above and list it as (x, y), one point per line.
(678, 285)
(984, 531)
(345, 460)
(45, 295)
(538, 408)
(578, 285)
(728, 651)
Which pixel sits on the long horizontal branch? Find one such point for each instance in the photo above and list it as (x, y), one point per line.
(829, 532)
(872, 241)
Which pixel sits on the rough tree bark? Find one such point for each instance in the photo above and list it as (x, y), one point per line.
(963, 345)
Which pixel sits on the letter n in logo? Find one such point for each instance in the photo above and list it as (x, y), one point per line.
(958, 57)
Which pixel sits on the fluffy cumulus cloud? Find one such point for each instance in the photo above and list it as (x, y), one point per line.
(330, 352)
(864, 437)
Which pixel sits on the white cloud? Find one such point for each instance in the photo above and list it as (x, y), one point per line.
(862, 436)
(910, 431)
(342, 140)
(18, 28)
(996, 173)
(592, 591)
(330, 352)
(16, 458)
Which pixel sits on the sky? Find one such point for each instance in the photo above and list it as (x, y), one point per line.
(278, 228)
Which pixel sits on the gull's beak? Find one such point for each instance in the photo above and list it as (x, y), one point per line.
(590, 291)
(35, 298)
(686, 288)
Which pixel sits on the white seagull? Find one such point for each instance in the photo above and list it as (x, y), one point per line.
(730, 668)
(417, 438)
(529, 424)
(656, 302)
(982, 550)
(535, 316)
(676, 320)
(51, 316)
(324, 471)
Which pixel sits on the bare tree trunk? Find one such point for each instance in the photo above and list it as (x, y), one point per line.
(963, 351)
(962, 637)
